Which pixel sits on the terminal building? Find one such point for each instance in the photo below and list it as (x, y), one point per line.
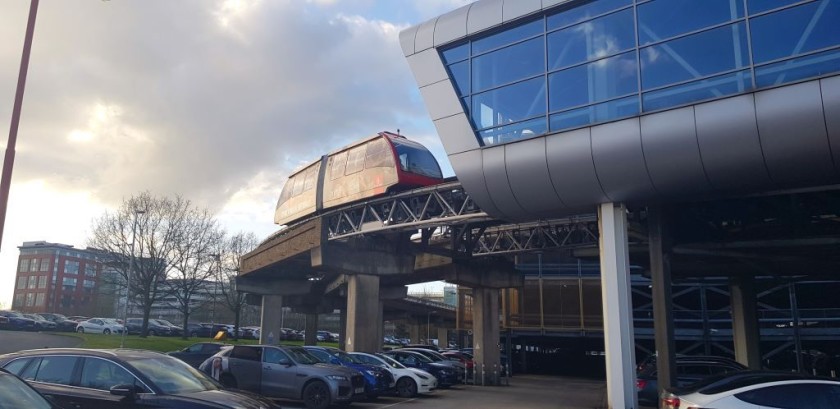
(704, 136)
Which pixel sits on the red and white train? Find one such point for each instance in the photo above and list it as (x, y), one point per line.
(371, 167)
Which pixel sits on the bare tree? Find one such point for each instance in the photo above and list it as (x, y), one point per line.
(231, 255)
(142, 239)
(194, 263)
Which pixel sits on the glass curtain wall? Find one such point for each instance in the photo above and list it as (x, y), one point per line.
(590, 62)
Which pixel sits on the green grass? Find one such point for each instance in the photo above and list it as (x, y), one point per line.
(161, 344)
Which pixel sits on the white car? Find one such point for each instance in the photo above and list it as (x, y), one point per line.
(757, 390)
(100, 326)
(410, 381)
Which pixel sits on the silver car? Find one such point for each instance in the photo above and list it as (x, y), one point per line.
(282, 372)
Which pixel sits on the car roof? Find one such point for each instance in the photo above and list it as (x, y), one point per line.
(736, 380)
(102, 353)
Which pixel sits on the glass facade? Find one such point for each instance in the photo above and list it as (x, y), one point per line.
(596, 61)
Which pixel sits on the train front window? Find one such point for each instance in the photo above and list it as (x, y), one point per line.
(417, 160)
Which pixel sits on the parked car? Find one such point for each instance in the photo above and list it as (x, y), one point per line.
(135, 325)
(100, 326)
(174, 330)
(4, 322)
(18, 322)
(690, 370)
(285, 373)
(409, 382)
(15, 393)
(202, 330)
(197, 353)
(41, 324)
(378, 380)
(122, 378)
(62, 323)
(445, 374)
(326, 336)
(756, 389)
(436, 357)
(460, 357)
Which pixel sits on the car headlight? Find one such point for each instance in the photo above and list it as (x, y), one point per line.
(371, 373)
(421, 376)
(337, 377)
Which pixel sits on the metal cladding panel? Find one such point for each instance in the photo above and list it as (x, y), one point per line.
(498, 184)
(427, 67)
(483, 15)
(456, 134)
(549, 3)
(620, 162)
(452, 26)
(425, 36)
(518, 8)
(830, 88)
(572, 170)
(729, 144)
(793, 134)
(441, 100)
(527, 171)
(407, 40)
(669, 141)
(468, 167)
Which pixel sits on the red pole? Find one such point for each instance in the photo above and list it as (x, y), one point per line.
(9, 159)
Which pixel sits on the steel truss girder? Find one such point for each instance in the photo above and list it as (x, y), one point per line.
(517, 238)
(438, 205)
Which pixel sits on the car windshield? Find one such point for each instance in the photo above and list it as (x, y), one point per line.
(345, 357)
(417, 160)
(391, 362)
(16, 394)
(165, 323)
(173, 376)
(110, 321)
(13, 314)
(421, 357)
(302, 356)
(431, 356)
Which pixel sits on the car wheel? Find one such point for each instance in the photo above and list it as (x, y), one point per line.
(106, 331)
(228, 381)
(316, 395)
(406, 388)
(80, 330)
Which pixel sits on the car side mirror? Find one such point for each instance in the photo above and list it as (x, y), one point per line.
(123, 390)
(285, 362)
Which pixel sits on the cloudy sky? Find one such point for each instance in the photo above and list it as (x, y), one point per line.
(216, 100)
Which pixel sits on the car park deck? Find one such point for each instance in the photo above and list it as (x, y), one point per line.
(524, 391)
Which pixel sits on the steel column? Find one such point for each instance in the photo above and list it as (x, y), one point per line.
(663, 314)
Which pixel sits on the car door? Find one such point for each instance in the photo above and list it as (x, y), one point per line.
(95, 325)
(96, 378)
(245, 364)
(53, 376)
(279, 374)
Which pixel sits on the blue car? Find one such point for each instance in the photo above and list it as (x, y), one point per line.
(377, 380)
(445, 374)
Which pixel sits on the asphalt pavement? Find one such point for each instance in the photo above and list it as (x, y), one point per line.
(13, 341)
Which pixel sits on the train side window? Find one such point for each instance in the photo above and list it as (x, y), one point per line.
(355, 160)
(311, 177)
(337, 164)
(378, 155)
(287, 192)
(299, 178)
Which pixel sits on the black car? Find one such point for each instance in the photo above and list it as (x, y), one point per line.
(41, 324)
(200, 330)
(195, 354)
(62, 323)
(135, 325)
(101, 379)
(690, 370)
(174, 330)
(18, 322)
(15, 393)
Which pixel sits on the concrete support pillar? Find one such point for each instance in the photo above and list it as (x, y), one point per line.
(414, 331)
(443, 337)
(311, 330)
(342, 329)
(619, 342)
(486, 335)
(663, 322)
(745, 332)
(271, 319)
(364, 323)
(380, 327)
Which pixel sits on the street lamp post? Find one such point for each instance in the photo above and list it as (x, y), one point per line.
(128, 277)
(218, 258)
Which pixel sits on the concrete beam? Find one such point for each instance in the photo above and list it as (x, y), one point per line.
(484, 275)
(282, 246)
(273, 287)
(358, 257)
(393, 293)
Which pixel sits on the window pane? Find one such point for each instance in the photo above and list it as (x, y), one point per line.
(21, 283)
(798, 68)
(594, 39)
(102, 375)
(42, 282)
(338, 162)
(460, 74)
(508, 36)
(378, 154)
(17, 365)
(24, 265)
(508, 64)
(456, 54)
(71, 267)
(710, 88)
(607, 111)
(696, 56)
(593, 82)
(797, 30)
(33, 282)
(509, 104)
(522, 130)
(311, 177)
(584, 12)
(56, 369)
(355, 160)
(757, 6)
(662, 19)
(39, 299)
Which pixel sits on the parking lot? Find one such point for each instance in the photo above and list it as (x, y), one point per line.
(525, 391)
